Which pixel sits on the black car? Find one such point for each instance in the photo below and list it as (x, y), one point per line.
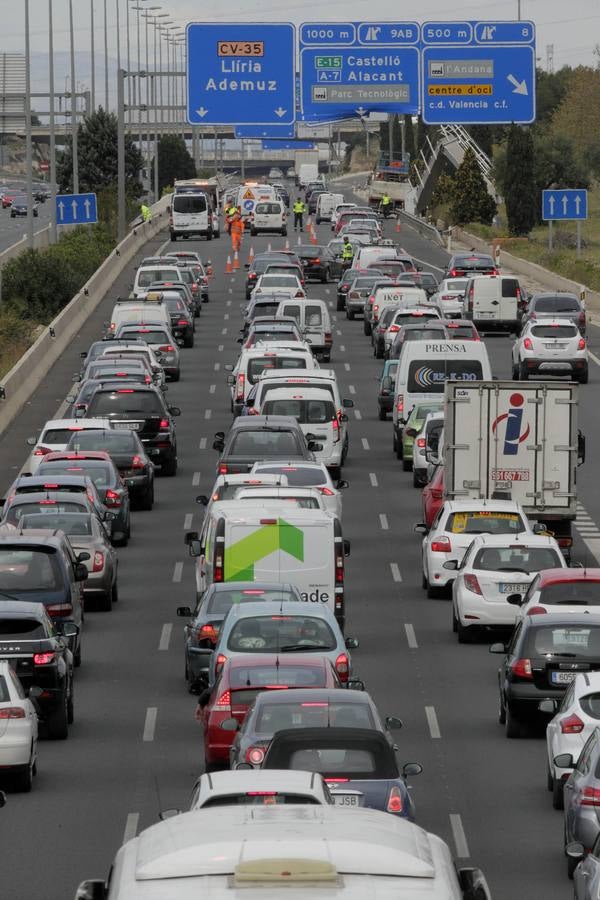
(128, 454)
(543, 656)
(317, 261)
(86, 389)
(141, 408)
(182, 320)
(19, 206)
(472, 263)
(38, 652)
(254, 438)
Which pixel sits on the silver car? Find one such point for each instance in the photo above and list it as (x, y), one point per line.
(550, 347)
(586, 877)
(581, 798)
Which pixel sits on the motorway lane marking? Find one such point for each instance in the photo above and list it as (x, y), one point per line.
(150, 724)
(228, 303)
(347, 367)
(338, 332)
(165, 636)
(212, 389)
(342, 348)
(365, 444)
(430, 264)
(224, 331)
(432, 721)
(352, 389)
(202, 443)
(411, 637)
(383, 521)
(207, 413)
(177, 572)
(164, 246)
(594, 357)
(460, 838)
(395, 568)
(217, 366)
(132, 820)
(330, 304)
(220, 348)
(196, 479)
(231, 292)
(373, 479)
(226, 316)
(327, 291)
(187, 522)
(357, 415)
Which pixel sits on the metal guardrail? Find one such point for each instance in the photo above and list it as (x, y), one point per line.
(424, 228)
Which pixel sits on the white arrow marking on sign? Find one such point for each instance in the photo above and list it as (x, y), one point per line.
(565, 204)
(87, 205)
(202, 112)
(74, 208)
(61, 207)
(551, 202)
(361, 111)
(577, 203)
(520, 87)
(280, 112)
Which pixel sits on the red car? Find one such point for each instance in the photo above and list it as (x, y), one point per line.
(240, 681)
(553, 588)
(432, 496)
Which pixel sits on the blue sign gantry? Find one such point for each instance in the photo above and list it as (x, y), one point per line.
(241, 73)
(265, 131)
(564, 203)
(76, 209)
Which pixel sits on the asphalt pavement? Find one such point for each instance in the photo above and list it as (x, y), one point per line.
(135, 747)
(12, 230)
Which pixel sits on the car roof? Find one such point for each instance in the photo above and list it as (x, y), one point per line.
(275, 660)
(315, 695)
(307, 393)
(527, 540)
(558, 576)
(42, 480)
(218, 586)
(278, 607)
(295, 463)
(258, 423)
(37, 537)
(460, 505)
(554, 618)
(561, 295)
(57, 497)
(20, 609)
(257, 779)
(76, 424)
(550, 321)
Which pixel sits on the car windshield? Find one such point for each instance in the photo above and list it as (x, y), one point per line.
(307, 412)
(300, 502)
(554, 331)
(456, 285)
(420, 412)
(483, 522)
(421, 334)
(280, 633)
(586, 593)
(124, 401)
(268, 209)
(147, 276)
(265, 309)
(258, 365)
(282, 675)
(570, 640)
(460, 332)
(71, 523)
(556, 304)
(516, 559)
(29, 570)
(222, 601)
(277, 385)
(281, 281)
(297, 476)
(99, 472)
(261, 798)
(18, 510)
(148, 335)
(340, 761)
(428, 376)
(274, 717)
(189, 204)
(474, 262)
(264, 443)
(267, 335)
(113, 442)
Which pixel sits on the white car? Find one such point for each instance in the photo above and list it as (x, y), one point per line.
(302, 473)
(431, 428)
(550, 347)
(280, 284)
(303, 498)
(449, 298)
(18, 729)
(268, 216)
(420, 312)
(574, 591)
(453, 529)
(227, 486)
(259, 787)
(577, 714)
(55, 435)
(494, 568)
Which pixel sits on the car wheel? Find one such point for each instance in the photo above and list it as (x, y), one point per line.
(501, 710)
(424, 581)
(189, 341)
(571, 866)
(454, 620)
(523, 375)
(71, 706)
(350, 315)
(147, 498)
(339, 305)
(549, 780)
(209, 235)
(123, 541)
(433, 592)
(398, 448)
(253, 232)
(335, 472)
(23, 780)
(407, 466)
(515, 372)
(176, 376)
(513, 724)
(57, 724)
(284, 232)
(326, 357)
(382, 414)
(417, 480)
(558, 801)
(378, 350)
(325, 277)
(465, 634)
(169, 468)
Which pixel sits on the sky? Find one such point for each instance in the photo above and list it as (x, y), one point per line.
(572, 28)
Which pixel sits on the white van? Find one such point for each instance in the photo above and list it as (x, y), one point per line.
(314, 322)
(268, 216)
(265, 850)
(425, 366)
(142, 312)
(370, 254)
(147, 275)
(305, 548)
(492, 302)
(252, 193)
(253, 361)
(326, 203)
(404, 296)
(314, 410)
(190, 215)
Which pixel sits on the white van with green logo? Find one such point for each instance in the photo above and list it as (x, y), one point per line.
(244, 541)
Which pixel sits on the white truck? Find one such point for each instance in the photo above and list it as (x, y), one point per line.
(507, 439)
(306, 158)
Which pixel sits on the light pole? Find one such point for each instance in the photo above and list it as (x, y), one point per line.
(160, 27)
(52, 131)
(154, 19)
(93, 56)
(74, 150)
(105, 57)
(148, 93)
(28, 151)
(170, 88)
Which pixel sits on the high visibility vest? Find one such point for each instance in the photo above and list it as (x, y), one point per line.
(385, 200)
(232, 211)
(145, 213)
(347, 251)
(299, 206)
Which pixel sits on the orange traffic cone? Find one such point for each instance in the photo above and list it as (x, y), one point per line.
(309, 224)
(313, 238)
(228, 267)
(251, 256)
(209, 269)
(236, 260)
(398, 226)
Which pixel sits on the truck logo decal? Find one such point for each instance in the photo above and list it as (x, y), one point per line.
(514, 423)
(425, 376)
(241, 556)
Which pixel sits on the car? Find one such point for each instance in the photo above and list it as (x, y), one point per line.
(224, 706)
(161, 340)
(263, 305)
(19, 731)
(259, 788)
(282, 627)
(141, 408)
(550, 305)
(37, 651)
(270, 329)
(359, 290)
(226, 487)
(385, 390)
(560, 590)
(581, 793)
(359, 765)
(254, 361)
(310, 707)
(426, 444)
(62, 487)
(454, 528)
(493, 569)
(449, 297)
(19, 206)
(550, 347)
(275, 173)
(122, 351)
(55, 435)
(8, 195)
(462, 330)
(306, 473)
(128, 454)
(204, 622)
(586, 869)
(269, 216)
(259, 266)
(42, 501)
(389, 268)
(466, 264)
(257, 438)
(432, 495)
(303, 498)
(415, 422)
(188, 290)
(383, 338)
(416, 330)
(180, 315)
(542, 658)
(267, 283)
(576, 716)
(317, 261)
(343, 286)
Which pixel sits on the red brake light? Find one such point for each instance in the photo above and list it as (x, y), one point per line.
(336, 430)
(98, 564)
(240, 386)
(47, 502)
(571, 725)
(41, 451)
(255, 755)
(137, 463)
(327, 492)
(581, 344)
(43, 659)
(125, 391)
(528, 343)
(221, 660)
(182, 322)
(208, 633)
(591, 797)
(441, 545)
(472, 584)
(421, 442)
(536, 611)
(112, 498)
(342, 667)
(222, 468)
(522, 669)
(164, 423)
(400, 403)
(12, 712)
(393, 329)
(224, 701)
(167, 348)
(394, 804)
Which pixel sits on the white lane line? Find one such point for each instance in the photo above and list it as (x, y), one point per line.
(338, 332)
(196, 479)
(187, 522)
(347, 367)
(327, 291)
(164, 246)
(352, 389)
(460, 838)
(226, 317)
(357, 415)
(212, 389)
(165, 636)
(223, 331)
(395, 568)
(373, 479)
(230, 291)
(177, 572)
(330, 304)
(365, 444)
(217, 366)
(150, 723)
(228, 303)
(432, 721)
(342, 348)
(594, 357)
(383, 521)
(220, 348)
(132, 821)
(202, 444)
(411, 637)
(207, 413)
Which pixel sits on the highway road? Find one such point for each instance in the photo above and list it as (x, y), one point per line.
(12, 230)
(135, 747)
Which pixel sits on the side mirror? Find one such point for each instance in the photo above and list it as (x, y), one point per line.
(421, 528)
(79, 412)
(228, 367)
(342, 484)
(94, 889)
(83, 354)
(219, 445)
(538, 528)
(351, 643)
(411, 769)
(239, 341)
(548, 706)
(2, 799)
(190, 536)
(219, 435)
(344, 417)
(473, 884)
(184, 612)
(347, 403)
(575, 851)
(83, 556)
(497, 648)
(515, 599)
(195, 549)
(230, 725)
(393, 722)
(175, 411)
(347, 547)
(81, 572)
(76, 377)
(564, 761)
(355, 684)
(32, 441)
(451, 564)
(168, 813)
(202, 499)
(34, 692)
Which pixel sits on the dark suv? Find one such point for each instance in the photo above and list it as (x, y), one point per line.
(254, 438)
(141, 408)
(473, 263)
(37, 650)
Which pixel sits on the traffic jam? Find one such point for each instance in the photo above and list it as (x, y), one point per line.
(302, 777)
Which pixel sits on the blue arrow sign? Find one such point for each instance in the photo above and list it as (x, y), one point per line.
(564, 203)
(240, 73)
(76, 209)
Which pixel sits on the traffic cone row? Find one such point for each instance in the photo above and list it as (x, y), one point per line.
(398, 226)
(209, 270)
(228, 267)
(236, 260)
(251, 256)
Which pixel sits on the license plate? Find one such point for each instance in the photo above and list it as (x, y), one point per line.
(562, 677)
(555, 346)
(126, 426)
(511, 588)
(486, 315)
(346, 799)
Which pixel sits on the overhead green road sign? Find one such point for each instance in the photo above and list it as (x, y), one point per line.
(328, 62)
(241, 556)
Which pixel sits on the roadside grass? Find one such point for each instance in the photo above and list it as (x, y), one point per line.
(16, 336)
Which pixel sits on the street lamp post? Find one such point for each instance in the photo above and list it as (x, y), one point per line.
(28, 149)
(105, 57)
(93, 56)
(52, 129)
(74, 149)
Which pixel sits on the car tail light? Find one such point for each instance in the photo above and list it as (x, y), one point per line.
(240, 387)
(472, 584)
(528, 343)
(564, 541)
(47, 502)
(147, 379)
(112, 498)
(336, 430)
(208, 632)
(421, 443)
(342, 667)
(571, 725)
(371, 301)
(43, 659)
(255, 755)
(182, 322)
(394, 804)
(41, 451)
(393, 329)
(224, 701)
(12, 712)
(299, 294)
(536, 611)
(137, 462)
(441, 545)
(328, 337)
(521, 668)
(98, 564)
(400, 403)
(327, 492)
(221, 660)
(437, 493)
(167, 348)
(339, 563)
(163, 424)
(345, 287)
(454, 273)
(581, 316)
(218, 564)
(581, 344)
(222, 468)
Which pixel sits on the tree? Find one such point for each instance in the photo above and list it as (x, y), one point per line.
(483, 135)
(519, 181)
(174, 161)
(470, 201)
(578, 116)
(550, 89)
(97, 156)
